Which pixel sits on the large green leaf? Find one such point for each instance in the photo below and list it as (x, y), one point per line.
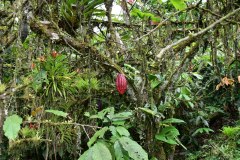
(172, 120)
(99, 133)
(198, 76)
(92, 4)
(57, 112)
(102, 114)
(179, 4)
(203, 130)
(87, 155)
(119, 152)
(144, 15)
(168, 134)
(121, 116)
(122, 131)
(39, 78)
(11, 126)
(99, 151)
(149, 111)
(155, 83)
(115, 135)
(135, 151)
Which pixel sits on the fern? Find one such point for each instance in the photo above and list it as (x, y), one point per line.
(84, 84)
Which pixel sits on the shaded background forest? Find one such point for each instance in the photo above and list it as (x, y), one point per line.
(59, 65)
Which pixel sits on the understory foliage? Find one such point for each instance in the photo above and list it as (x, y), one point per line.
(59, 60)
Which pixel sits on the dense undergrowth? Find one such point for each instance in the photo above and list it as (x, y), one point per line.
(158, 80)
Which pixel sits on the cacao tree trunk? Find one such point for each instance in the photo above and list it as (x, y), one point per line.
(2, 117)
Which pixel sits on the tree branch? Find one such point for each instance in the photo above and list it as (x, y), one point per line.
(10, 40)
(39, 28)
(187, 56)
(191, 37)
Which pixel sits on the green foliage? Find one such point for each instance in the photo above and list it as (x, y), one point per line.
(69, 7)
(119, 142)
(197, 75)
(91, 6)
(55, 75)
(84, 84)
(168, 135)
(108, 115)
(179, 4)
(121, 145)
(66, 138)
(2, 88)
(134, 150)
(67, 10)
(231, 132)
(149, 111)
(26, 132)
(202, 130)
(99, 134)
(144, 15)
(155, 80)
(69, 101)
(220, 146)
(39, 78)
(11, 126)
(172, 120)
(57, 112)
(122, 131)
(120, 153)
(99, 151)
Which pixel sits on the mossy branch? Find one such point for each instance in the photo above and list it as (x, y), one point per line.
(182, 43)
(61, 123)
(67, 40)
(12, 90)
(19, 142)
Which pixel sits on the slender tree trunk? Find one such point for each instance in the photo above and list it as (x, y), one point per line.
(2, 117)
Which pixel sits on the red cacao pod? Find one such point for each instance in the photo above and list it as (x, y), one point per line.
(54, 54)
(121, 83)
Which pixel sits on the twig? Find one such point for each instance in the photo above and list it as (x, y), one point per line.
(62, 123)
(194, 35)
(187, 56)
(34, 139)
(163, 22)
(217, 15)
(159, 25)
(86, 132)
(11, 39)
(12, 90)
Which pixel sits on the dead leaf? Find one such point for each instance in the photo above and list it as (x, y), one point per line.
(231, 81)
(218, 86)
(227, 81)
